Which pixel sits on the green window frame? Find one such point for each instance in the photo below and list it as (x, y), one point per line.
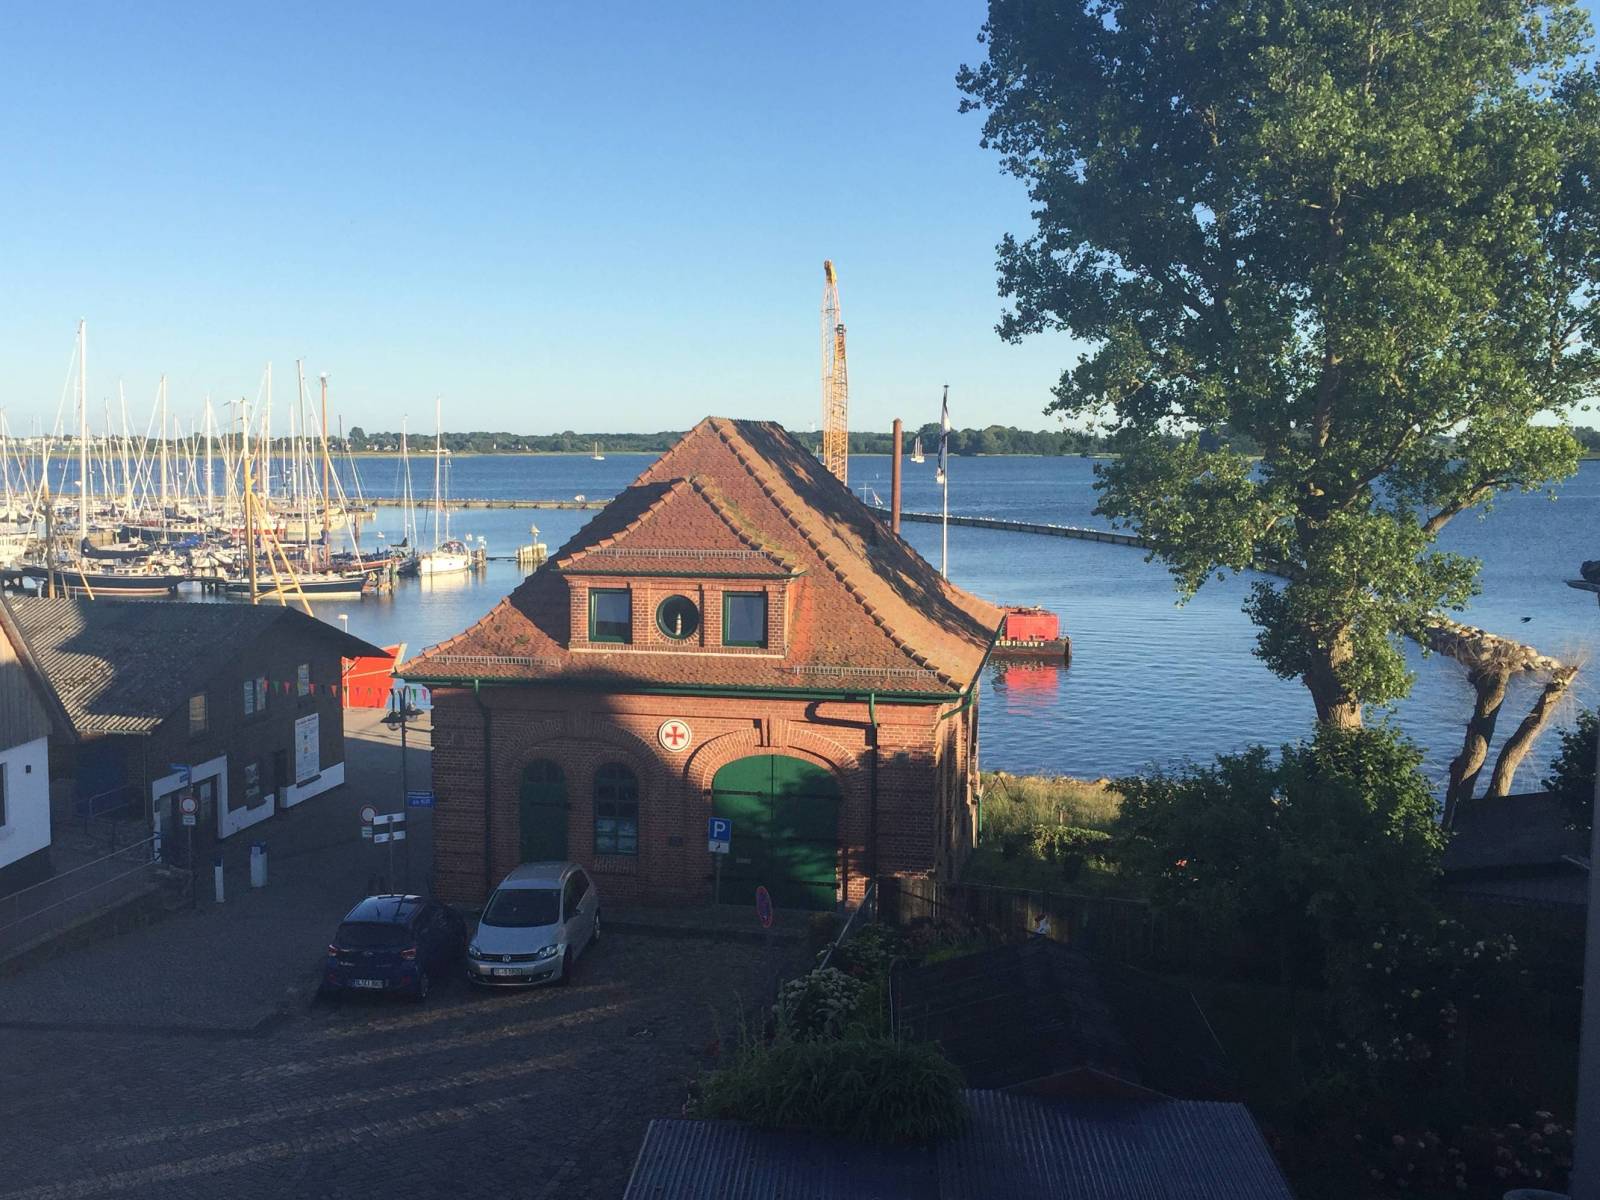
(616, 810)
(729, 599)
(610, 633)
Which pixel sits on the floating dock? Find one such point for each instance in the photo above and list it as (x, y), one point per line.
(454, 503)
(1081, 532)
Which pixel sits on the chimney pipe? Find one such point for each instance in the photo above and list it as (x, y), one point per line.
(894, 478)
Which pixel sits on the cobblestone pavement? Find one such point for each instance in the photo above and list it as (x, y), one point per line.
(528, 1094)
(235, 965)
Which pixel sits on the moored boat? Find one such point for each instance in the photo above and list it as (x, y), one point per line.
(1033, 632)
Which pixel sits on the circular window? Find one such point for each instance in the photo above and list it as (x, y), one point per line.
(678, 618)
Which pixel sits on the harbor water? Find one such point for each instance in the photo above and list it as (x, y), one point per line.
(1151, 681)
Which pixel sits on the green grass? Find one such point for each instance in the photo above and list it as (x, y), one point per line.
(1015, 803)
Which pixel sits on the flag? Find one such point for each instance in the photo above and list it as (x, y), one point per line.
(944, 439)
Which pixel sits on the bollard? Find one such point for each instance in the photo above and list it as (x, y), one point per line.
(216, 876)
(258, 864)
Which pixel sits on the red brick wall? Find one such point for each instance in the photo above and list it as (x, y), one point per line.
(583, 730)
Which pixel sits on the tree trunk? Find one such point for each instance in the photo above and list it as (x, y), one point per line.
(1520, 742)
(1489, 683)
(1336, 704)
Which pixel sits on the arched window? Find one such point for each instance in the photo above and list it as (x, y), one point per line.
(616, 810)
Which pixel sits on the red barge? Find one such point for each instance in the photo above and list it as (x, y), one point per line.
(1034, 633)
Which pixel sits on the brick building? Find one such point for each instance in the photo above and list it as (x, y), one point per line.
(247, 698)
(735, 635)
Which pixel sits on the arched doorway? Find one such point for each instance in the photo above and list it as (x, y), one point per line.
(543, 810)
(785, 815)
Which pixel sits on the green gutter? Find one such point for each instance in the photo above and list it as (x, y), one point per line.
(754, 693)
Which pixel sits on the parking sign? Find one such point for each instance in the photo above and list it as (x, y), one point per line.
(719, 833)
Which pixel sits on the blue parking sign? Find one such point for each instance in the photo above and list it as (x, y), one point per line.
(719, 832)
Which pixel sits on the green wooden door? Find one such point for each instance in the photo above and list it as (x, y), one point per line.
(785, 815)
(544, 812)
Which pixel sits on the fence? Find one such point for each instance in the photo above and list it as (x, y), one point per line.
(1119, 930)
(47, 908)
(864, 914)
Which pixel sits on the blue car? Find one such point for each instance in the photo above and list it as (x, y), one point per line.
(394, 944)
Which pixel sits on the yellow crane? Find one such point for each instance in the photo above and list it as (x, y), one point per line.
(835, 381)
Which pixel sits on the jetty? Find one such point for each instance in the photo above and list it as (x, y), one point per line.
(1081, 532)
(455, 502)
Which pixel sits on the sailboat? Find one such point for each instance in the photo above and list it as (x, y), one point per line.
(450, 556)
(916, 450)
(597, 456)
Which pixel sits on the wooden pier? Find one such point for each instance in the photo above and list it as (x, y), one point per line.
(455, 503)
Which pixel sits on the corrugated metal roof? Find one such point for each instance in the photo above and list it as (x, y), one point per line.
(123, 667)
(1015, 1147)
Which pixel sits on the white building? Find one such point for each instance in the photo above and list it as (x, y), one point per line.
(24, 773)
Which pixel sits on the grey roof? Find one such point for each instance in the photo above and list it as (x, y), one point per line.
(1500, 834)
(124, 666)
(1014, 1146)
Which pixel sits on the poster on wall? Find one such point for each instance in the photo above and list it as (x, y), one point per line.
(307, 755)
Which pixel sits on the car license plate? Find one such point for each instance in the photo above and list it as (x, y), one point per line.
(507, 971)
(366, 983)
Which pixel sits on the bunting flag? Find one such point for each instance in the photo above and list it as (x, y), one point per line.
(940, 476)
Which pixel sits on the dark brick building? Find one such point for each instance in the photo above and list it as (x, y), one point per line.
(247, 698)
(735, 635)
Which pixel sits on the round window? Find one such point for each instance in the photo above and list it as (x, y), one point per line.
(678, 618)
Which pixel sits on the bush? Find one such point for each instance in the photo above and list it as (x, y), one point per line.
(1475, 1161)
(868, 951)
(872, 1090)
(818, 1004)
(1571, 778)
(1057, 843)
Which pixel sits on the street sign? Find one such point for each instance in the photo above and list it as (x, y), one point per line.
(764, 907)
(675, 735)
(188, 806)
(389, 827)
(719, 833)
(419, 799)
(368, 814)
(183, 772)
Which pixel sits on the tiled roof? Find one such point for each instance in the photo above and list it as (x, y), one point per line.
(741, 498)
(1013, 1147)
(124, 666)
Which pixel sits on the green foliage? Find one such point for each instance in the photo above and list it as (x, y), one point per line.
(1016, 804)
(1332, 839)
(1401, 997)
(1479, 1162)
(869, 950)
(873, 1090)
(1057, 842)
(1358, 237)
(1571, 776)
(818, 1004)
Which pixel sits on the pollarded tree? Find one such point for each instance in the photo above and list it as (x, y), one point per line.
(1360, 233)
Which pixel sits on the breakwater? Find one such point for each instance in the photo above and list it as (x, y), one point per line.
(1081, 532)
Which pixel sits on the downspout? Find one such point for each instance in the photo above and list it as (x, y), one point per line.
(872, 715)
(488, 806)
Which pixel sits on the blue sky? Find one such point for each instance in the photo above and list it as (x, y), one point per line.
(607, 217)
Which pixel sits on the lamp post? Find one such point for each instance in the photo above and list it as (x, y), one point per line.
(400, 715)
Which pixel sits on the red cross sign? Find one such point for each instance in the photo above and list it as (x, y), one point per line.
(675, 735)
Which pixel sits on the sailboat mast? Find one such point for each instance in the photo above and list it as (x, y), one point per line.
(327, 543)
(266, 429)
(210, 498)
(438, 450)
(83, 429)
(161, 429)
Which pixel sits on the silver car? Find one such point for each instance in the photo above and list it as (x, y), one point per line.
(541, 917)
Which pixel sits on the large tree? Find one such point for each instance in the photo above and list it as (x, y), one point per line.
(1360, 233)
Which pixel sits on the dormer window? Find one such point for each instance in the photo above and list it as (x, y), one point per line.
(744, 618)
(610, 615)
(678, 617)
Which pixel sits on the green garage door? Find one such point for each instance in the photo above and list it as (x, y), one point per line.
(785, 815)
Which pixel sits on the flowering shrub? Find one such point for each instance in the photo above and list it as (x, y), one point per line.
(868, 951)
(818, 1004)
(1476, 1161)
(1404, 992)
